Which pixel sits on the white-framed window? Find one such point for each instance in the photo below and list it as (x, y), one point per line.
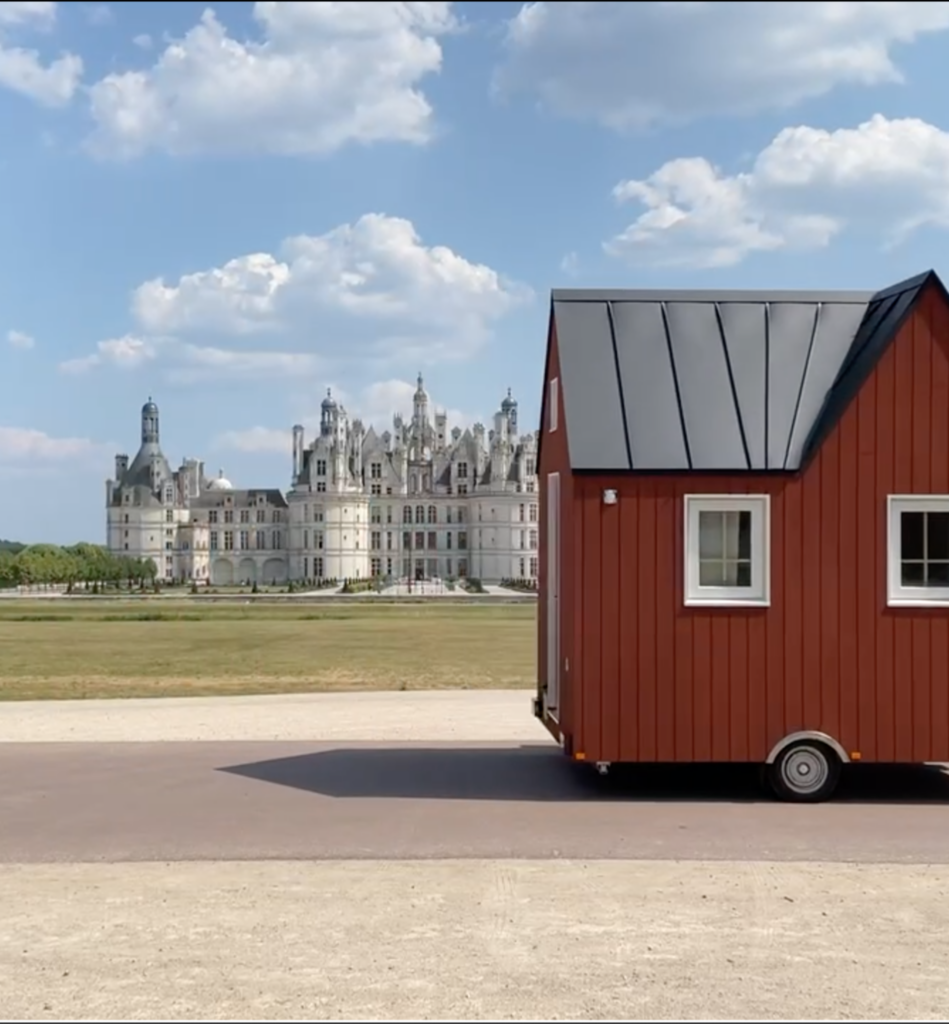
(917, 550)
(727, 549)
(553, 401)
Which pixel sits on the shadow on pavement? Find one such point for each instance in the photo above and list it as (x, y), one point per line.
(541, 773)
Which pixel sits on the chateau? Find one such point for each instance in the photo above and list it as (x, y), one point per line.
(417, 502)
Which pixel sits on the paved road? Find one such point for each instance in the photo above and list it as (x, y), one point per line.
(75, 802)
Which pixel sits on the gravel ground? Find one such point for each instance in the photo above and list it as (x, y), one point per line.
(435, 939)
(445, 715)
(497, 940)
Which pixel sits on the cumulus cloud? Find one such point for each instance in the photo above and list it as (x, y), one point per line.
(187, 363)
(256, 440)
(20, 339)
(375, 405)
(379, 402)
(193, 364)
(319, 76)
(21, 444)
(98, 14)
(126, 352)
(37, 13)
(22, 70)
(372, 286)
(371, 290)
(628, 65)
(884, 177)
(570, 264)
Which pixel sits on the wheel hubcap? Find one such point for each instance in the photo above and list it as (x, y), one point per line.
(805, 770)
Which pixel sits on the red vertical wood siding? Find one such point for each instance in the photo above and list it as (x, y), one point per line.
(663, 682)
(555, 458)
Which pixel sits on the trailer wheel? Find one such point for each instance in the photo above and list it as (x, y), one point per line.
(805, 772)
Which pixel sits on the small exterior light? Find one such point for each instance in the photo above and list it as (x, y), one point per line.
(609, 497)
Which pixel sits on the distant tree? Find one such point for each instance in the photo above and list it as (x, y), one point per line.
(90, 564)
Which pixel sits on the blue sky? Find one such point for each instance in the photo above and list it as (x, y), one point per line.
(231, 208)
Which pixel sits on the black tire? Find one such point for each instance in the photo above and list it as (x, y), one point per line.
(806, 772)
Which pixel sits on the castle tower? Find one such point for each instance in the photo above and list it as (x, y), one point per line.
(509, 408)
(329, 412)
(420, 403)
(150, 433)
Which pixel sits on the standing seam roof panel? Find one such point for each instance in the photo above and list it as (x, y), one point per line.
(836, 330)
(879, 327)
(790, 329)
(711, 419)
(743, 324)
(596, 432)
(653, 418)
(778, 353)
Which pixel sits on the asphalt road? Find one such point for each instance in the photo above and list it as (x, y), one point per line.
(81, 802)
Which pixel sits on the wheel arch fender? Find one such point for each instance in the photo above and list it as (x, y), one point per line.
(807, 734)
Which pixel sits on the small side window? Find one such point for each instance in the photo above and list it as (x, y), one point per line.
(553, 404)
(727, 550)
(918, 555)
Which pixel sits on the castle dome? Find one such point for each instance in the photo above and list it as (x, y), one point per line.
(509, 403)
(220, 483)
(329, 403)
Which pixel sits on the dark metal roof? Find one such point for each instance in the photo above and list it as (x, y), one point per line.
(715, 381)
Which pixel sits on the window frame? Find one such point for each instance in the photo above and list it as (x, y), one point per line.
(898, 595)
(758, 595)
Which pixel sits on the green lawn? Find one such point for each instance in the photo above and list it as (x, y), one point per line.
(60, 649)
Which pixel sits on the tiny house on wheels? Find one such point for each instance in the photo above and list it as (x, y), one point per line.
(744, 537)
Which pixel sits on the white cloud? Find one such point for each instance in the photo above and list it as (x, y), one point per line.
(369, 289)
(570, 264)
(379, 402)
(22, 70)
(21, 444)
(39, 14)
(323, 75)
(187, 363)
(628, 65)
(375, 405)
(256, 440)
(20, 339)
(143, 41)
(192, 364)
(887, 178)
(372, 285)
(126, 352)
(98, 14)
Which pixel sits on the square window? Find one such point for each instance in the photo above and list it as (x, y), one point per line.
(918, 550)
(727, 550)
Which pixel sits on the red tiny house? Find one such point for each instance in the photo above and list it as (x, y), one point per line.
(834, 648)
(554, 462)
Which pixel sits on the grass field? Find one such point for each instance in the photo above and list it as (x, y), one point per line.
(144, 649)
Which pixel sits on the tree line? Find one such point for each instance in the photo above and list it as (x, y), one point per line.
(83, 564)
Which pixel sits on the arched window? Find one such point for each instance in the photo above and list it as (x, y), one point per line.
(432, 514)
(407, 514)
(420, 513)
